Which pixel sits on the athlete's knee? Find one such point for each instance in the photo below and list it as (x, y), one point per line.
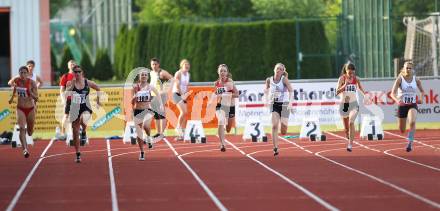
(228, 128)
(30, 131)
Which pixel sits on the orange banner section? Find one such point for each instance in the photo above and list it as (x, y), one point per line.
(201, 106)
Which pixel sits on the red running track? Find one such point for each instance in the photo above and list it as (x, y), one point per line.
(306, 175)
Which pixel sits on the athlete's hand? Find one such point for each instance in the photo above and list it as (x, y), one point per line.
(187, 94)
(35, 98)
(98, 103)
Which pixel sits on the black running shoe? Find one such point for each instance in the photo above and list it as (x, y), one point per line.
(25, 153)
(78, 157)
(222, 148)
(275, 151)
(156, 135)
(409, 146)
(150, 145)
(142, 156)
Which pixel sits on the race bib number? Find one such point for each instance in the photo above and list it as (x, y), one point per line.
(143, 96)
(350, 88)
(21, 92)
(408, 99)
(79, 98)
(221, 90)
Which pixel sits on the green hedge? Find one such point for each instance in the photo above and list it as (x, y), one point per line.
(250, 50)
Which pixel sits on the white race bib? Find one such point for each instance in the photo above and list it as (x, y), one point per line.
(21, 91)
(79, 98)
(143, 96)
(221, 90)
(350, 88)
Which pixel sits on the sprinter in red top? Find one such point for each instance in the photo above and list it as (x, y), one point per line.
(26, 91)
(225, 91)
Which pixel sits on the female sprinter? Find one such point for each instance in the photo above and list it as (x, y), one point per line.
(159, 78)
(142, 112)
(79, 106)
(348, 84)
(180, 94)
(277, 86)
(26, 90)
(225, 109)
(406, 86)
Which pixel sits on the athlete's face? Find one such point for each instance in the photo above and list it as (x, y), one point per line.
(155, 65)
(279, 70)
(30, 67)
(23, 74)
(407, 69)
(350, 73)
(222, 72)
(77, 73)
(186, 67)
(143, 76)
(70, 65)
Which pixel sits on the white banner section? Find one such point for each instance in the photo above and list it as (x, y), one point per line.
(317, 100)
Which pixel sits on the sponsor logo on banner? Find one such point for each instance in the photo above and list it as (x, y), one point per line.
(310, 100)
(4, 114)
(106, 118)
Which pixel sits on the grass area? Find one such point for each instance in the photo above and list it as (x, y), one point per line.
(213, 131)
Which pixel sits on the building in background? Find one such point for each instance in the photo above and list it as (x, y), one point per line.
(24, 35)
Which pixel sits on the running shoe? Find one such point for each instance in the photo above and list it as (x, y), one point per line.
(349, 148)
(78, 157)
(142, 156)
(275, 151)
(409, 146)
(223, 148)
(25, 153)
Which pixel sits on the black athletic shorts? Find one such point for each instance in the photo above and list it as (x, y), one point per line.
(402, 110)
(280, 108)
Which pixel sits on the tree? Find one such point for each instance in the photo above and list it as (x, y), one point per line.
(103, 65)
(86, 65)
(67, 55)
(166, 10)
(57, 5)
(289, 8)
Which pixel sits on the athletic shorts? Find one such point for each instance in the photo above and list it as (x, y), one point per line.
(177, 98)
(402, 110)
(281, 108)
(155, 106)
(74, 110)
(229, 110)
(346, 108)
(139, 114)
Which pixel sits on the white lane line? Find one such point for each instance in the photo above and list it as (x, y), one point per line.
(28, 178)
(400, 136)
(385, 152)
(270, 150)
(411, 161)
(344, 138)
(403, 190)
(288, 180)
(115, 206)
(214, 198)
